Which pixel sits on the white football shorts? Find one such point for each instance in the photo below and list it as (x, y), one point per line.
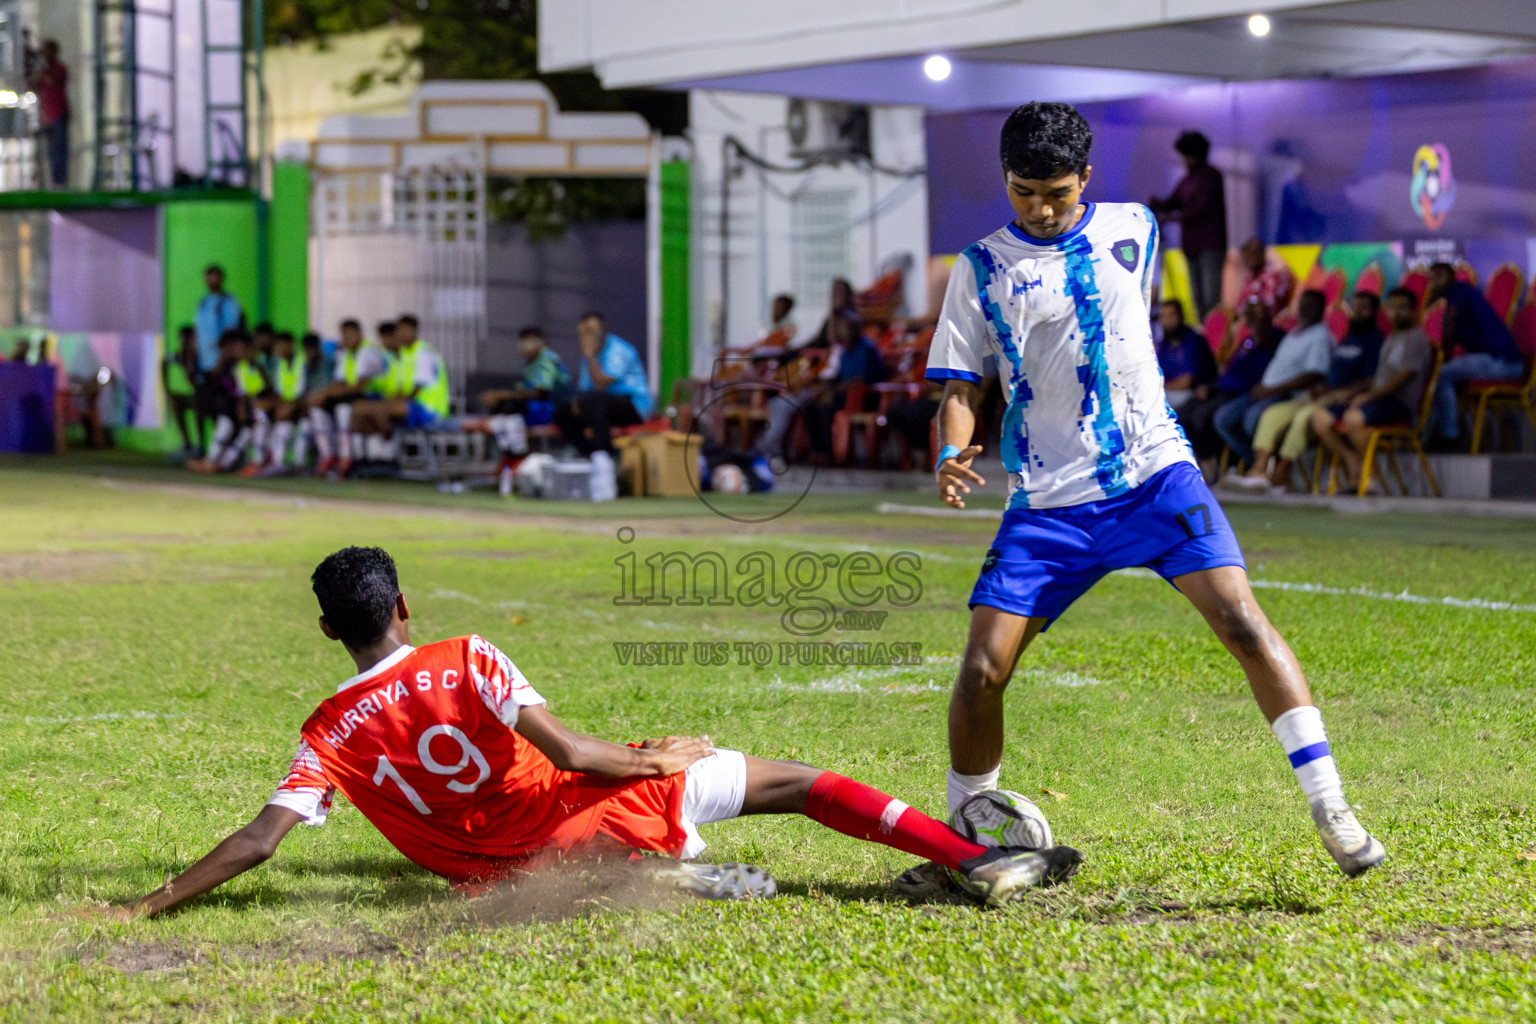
(713, 790)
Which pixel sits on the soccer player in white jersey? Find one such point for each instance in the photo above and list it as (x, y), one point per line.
(1100, 475)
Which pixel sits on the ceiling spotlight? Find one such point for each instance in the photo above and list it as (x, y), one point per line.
(1258, 25)
(937, 67)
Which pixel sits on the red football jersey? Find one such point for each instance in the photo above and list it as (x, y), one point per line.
(424, 744)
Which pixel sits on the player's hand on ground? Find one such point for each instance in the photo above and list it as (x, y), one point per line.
(955, 476)
(675, 753)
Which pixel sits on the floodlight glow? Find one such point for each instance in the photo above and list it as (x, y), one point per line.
(937, 67)
(8, 98)
(1258, 25)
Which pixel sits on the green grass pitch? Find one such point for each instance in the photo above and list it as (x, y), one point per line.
(159, 653)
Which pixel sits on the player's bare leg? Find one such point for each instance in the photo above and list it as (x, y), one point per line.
(1226, 600)
(997, 639)
(995, 875)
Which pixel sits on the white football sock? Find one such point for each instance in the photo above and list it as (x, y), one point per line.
(960, 788)
(344, 446)
(320, 428)
(259, 443)
(280, 435)
(232, 452)
(223, 432)
(301, 438)
(1301, 734)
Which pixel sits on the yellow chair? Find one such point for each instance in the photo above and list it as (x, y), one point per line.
(1388, 438)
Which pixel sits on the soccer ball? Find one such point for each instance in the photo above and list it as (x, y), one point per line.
(1000, 817)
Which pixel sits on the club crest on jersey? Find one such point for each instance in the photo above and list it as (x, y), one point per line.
(1126, 253)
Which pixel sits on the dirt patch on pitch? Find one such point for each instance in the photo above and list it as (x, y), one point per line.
(64, 566)
(564, 891)
(151, 957)
(1519, 941)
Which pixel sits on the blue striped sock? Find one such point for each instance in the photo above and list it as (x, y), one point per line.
(1301, 734)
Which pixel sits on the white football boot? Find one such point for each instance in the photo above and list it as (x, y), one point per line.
(717, 881)
(1003, 874)
(1354, 849)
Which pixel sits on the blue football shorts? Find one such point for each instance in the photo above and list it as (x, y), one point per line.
(1044, 559)
(419, 416)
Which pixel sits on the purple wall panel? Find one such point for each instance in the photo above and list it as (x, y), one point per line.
(104, 271)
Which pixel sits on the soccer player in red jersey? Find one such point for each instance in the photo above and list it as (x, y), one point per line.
(453, 756)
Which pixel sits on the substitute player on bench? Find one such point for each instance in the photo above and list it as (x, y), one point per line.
(1100, 476)
(451, 754)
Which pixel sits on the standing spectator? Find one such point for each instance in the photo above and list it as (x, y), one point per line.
(1300, 361)
(1394, 394)
(611, 389)
(1199, 204)
(1269, 283)
(50, 81)
(1488, 348)
(180, 376)
(216, 313)
(1182, 354)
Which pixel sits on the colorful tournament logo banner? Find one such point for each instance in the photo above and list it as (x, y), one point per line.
(1433, 189)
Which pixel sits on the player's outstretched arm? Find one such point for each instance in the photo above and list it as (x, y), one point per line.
(957, 422)
(574, 752)
(242, 851)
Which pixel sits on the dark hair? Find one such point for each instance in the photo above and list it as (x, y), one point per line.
(233, 335)
(356, 588)
(1442, 267)
(262, 328)
(1375, 299)
(1176, 304)
(185, 329)
(1045, 140)
(531, 331)
(591, 314)
(212, 268)
(1312, 304)
(1404, 293)
(1193, 145)
(283, 336)
(310, 339)
(349, 322)
(386, 327)
(408, 318)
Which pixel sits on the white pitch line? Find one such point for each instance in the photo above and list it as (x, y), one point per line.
(1402, 597)
(937, 511)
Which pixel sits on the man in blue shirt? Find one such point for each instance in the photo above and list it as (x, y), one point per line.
(1182, 354)
(612, 389)
(853, 359)
(1488, 347)
(216, 313)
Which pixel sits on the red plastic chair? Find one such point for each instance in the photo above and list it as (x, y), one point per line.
(1503, 291)
(1416, 281)
(1217, 326)
(1371, 280)
(1337, 319)
(1333, 286)
(1466, 272)
(1495, 396)
(1434, 321)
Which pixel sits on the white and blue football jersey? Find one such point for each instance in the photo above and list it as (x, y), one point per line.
(1068, 319)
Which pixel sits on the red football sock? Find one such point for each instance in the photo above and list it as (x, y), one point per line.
(864, 812)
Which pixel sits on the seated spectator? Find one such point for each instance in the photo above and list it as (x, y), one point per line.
(1395, 393)
(413, 391)
(1182, 354)
(227, 404)
(853, 359)
(356, 365)
(180, 376)
(842, 306)
(285, 408)
(612, 389)
(544, 379)
(1300, 360)
(1488, 348)
(909, 415)
(1242, 374)
(1286, 426)
(1269, 283)
(781, 327)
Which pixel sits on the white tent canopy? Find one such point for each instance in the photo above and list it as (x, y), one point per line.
(849, 49)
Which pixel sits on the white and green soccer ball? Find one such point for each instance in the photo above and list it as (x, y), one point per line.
(1001, 817)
